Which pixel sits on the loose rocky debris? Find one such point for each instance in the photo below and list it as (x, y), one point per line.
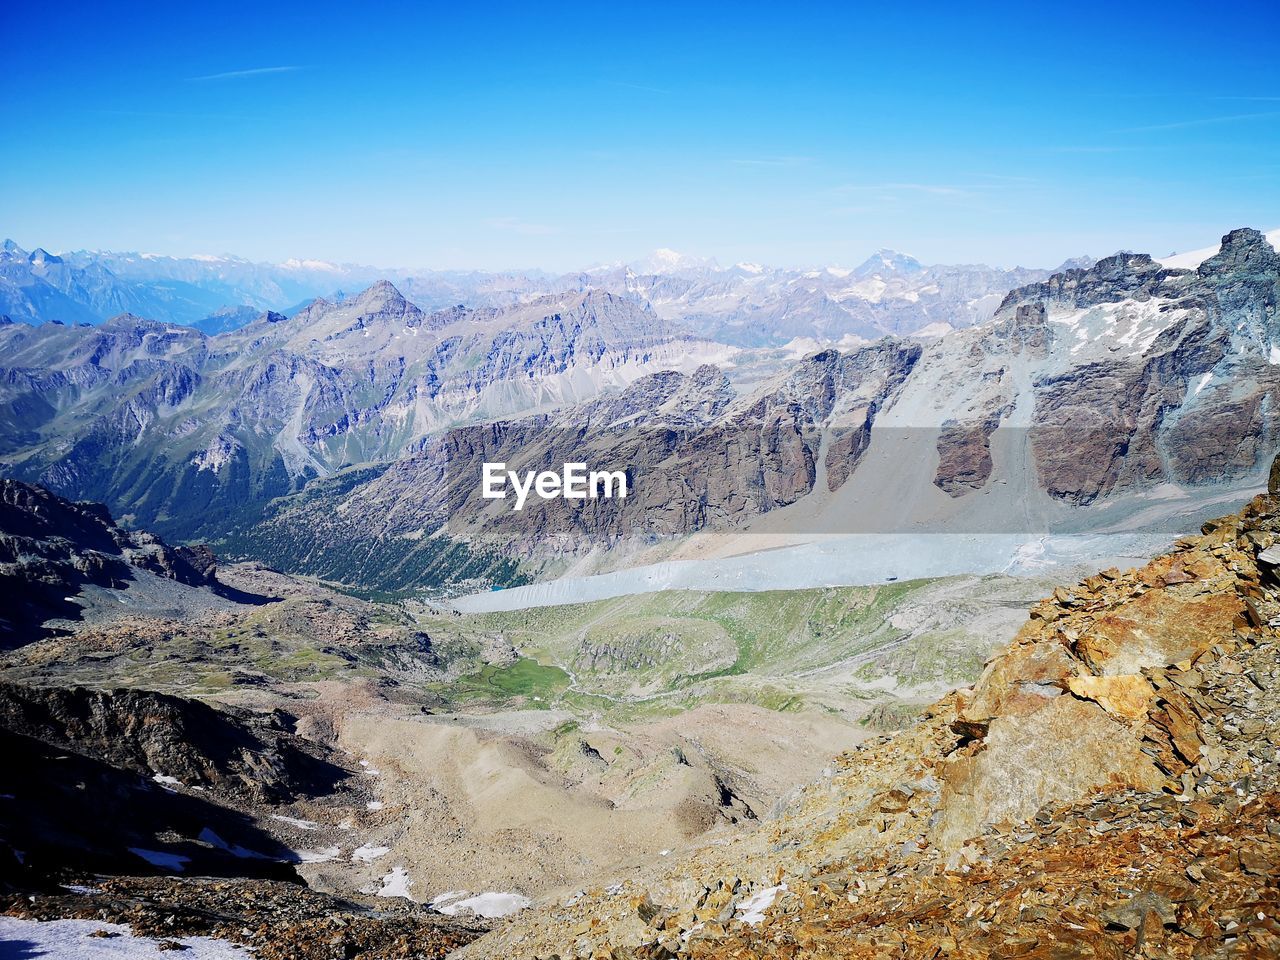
(1110, 788)
(277, 921)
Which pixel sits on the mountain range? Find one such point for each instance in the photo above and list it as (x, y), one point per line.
(364, 420)
(746, 303)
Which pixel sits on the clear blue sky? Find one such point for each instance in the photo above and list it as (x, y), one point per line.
(512, 136)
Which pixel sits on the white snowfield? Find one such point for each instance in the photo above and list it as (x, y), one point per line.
(368, 853)
(751, 910)
(491, 905)
(71, 940)
(1193, 258)
(396, 884)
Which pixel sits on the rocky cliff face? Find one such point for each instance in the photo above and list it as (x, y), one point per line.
(50, 548)
(1097, 383)
(152, 418)
(697, 458)
(231, 755)
(1108, 788)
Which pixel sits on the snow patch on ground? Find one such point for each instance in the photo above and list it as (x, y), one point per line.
(491, 905)
(158, 858)
(396, 884)
(318, 855)
(211, 838)
(71, 940)
(368, 853)
(160, 778)
(295, 822)
(752, 909)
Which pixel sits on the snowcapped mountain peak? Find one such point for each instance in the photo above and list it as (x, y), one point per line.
(664, 260)
(888, 261)
(293, 263)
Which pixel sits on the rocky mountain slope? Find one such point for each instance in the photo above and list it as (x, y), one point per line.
(152, 418)
(131, 790)
(53, 553)
(1109, 787)
(1088, 394)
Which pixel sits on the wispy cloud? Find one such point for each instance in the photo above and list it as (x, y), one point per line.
(1203, 122)
(245, 74)
(516, 225)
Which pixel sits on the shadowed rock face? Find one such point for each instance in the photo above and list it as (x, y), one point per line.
(86, 777)
(256, 758)
(51, 547)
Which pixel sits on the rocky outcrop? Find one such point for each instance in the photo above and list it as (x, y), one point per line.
(255, 758)
(1108, 788)
(50, 548)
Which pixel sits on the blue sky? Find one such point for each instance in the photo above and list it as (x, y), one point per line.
(513, 136)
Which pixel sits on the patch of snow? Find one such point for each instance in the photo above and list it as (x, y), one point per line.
(1275, 356)
(1204, 382)
(374, 805)
(1193, 258)
(318, 855)
(396, 884)
(490, 905)
(167, 781)
(211, 838)
(939, 328)
(158, 858)
(295, 822)
(368, 853)
(752, 909)
(77, 888)
(71, 940)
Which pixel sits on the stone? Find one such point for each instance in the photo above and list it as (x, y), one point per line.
(1126, 697)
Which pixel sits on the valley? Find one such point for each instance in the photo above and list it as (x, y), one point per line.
(444, 721)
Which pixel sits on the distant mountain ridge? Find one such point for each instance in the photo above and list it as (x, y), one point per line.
(747, 304)
(1087, 385)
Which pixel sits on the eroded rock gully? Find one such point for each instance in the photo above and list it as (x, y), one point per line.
(1109, 788)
